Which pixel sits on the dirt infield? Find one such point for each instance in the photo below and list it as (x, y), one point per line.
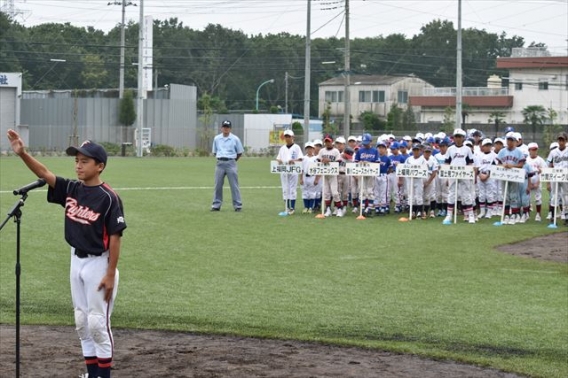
(48, 351)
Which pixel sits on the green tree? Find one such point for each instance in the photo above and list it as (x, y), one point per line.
(394, 118)
(206, 130)
(94, 74)
(535, 115)
(497, 118)
(371, 121)
(551, 129)
(126, 113)
(449, 122)
(408, 119)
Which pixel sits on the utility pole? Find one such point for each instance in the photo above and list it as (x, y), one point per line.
(141, 84)
(459, 71)
(123, 4)
(286, 92)
(307, 75)
(347, 95)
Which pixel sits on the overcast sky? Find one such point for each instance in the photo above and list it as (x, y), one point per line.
(535, 20)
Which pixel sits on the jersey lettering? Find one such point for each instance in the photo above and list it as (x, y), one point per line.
(80, 214)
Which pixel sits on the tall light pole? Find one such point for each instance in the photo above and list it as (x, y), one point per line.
(57, 61)
(258, 89)
(307, 76)
(459, 71)
(347, 95)
(141, 86)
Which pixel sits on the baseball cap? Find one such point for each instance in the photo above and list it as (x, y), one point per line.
(351, 138)
(381, 143)
(328, 137)
(348, 152)
(508, 129)
(340, 140)
(427, 148)
(553, 145)
(90, 149)
(416, 146)
(403, 144)
(562, 135)
(226, 123)
(394, 146)
(309, 145)
(367, 139)
(519, 136)
(499, 140)
(445, 141)
(533, 145)
(459, 132)
(486, 141)
(512, 135)
(468, 143)
(318, 141)
(407, 138)
(288, 132)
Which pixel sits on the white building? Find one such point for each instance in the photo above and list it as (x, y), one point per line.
(375, 93)
(535, 78)
(10, 97)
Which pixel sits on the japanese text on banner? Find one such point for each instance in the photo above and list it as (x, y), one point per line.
(329, 169)
(554, 175)
(362, 169)
(507, 174)
(295, 169)
(456, 172)
(408, 170)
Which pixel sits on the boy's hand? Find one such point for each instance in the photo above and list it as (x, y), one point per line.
(16, 142)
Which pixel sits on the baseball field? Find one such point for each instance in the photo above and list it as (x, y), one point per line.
(439, 292)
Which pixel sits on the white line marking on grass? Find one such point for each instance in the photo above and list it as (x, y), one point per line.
(169, 188)
(530, 271)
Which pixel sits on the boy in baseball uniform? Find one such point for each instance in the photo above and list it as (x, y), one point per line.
(538, 164)
(417, 183)
(460, 155)
(381, 189)
(307, 181)
(558, 158)
(430, 182)
(512, 157)
(94, 222)
(330, 154)
(487, 186)
(289, 153)
(367, 154)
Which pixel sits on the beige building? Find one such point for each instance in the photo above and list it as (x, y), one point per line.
(375, 93)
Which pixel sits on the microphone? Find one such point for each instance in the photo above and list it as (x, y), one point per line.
(24, 189)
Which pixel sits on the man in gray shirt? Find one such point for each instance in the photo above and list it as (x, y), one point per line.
(227, 148)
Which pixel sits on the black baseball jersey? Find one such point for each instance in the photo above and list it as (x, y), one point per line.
(92, 214)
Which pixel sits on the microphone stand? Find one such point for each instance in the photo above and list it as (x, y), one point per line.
(16, 213)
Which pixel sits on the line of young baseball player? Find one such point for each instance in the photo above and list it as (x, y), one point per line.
(433, 196)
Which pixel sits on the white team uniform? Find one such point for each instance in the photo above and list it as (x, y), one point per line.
(416, 183)
(430, 190)
(460, 156)
(309, 189)
(330, 189)
(289, 181)
(538, 163)
(559, 159)
(441, 183)
(487, 190)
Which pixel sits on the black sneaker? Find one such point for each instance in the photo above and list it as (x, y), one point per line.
(215, 209)
(238, 209)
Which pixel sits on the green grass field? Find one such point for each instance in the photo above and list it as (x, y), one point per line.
(419, 287)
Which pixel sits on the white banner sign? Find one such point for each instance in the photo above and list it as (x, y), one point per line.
(554, 175)
(456, 172)
(409, 170)
(507, 174)
(329, 169)
(295, 168)
(362, 169)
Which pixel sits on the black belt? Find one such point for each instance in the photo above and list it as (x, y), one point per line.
(82, 254)
(225, 159)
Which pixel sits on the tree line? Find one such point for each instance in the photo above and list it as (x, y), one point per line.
(229, 65)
